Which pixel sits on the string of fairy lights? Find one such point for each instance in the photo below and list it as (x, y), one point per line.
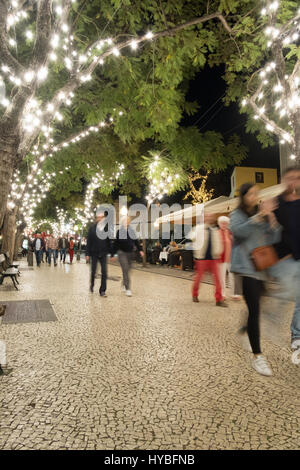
(28, 191)
(32, 196)
(161, 180)
(38, 115)
(95, 183)
(281, 88)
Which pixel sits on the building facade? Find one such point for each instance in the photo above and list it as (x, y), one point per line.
(263, 177)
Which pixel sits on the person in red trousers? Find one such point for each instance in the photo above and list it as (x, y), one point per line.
(208, 247)
(71, 249)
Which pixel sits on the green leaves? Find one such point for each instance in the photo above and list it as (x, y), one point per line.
(150, 86)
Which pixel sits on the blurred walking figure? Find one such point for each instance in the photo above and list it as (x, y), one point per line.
(52, 247)
(224, 265)
(38, 246)
(208, 248)
(45, 250)
(25, 247)
(156, 252)
(98, 247)
(3, 364)
(71, 249)
(63, 246)
(287, 270)
(252, 227)
(125, 244)
(225, 260)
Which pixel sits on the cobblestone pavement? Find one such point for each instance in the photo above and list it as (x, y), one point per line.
(154, 371)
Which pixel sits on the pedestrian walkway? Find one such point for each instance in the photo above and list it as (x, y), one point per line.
(164, 270)
(154, 371)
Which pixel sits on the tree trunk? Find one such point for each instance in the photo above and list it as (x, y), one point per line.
(18, 241)
(9, 234)
(296, 122)
(8, 160)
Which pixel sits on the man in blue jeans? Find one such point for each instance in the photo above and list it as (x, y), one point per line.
(63, 246)
(99, 245)
(287, 270)
(38, 246)
(52, 247)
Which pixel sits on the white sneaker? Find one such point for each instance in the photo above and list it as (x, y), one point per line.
(236, 297)
(123, 288)
(261, 366)
(295, 344)
(128, 293)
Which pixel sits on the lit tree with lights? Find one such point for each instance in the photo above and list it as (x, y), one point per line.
(200, 194)
(38, 44)
(274, 89)
(51, 65)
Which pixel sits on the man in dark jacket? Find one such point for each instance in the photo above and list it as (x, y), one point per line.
(63, 246)
(98, 247)
(38, 246)
(287, 270)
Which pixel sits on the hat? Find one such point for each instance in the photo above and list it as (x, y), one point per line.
(223, 218)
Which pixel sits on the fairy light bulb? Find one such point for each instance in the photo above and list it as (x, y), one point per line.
(42, 74)
(29, 76)
(29, 34)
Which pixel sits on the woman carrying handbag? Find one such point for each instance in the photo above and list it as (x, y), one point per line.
(255, 230)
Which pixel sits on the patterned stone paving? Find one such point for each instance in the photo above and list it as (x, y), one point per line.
(154, 371)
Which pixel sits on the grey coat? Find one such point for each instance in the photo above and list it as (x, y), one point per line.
(250, 233)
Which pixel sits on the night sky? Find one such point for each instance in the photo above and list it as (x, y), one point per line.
(207, 89)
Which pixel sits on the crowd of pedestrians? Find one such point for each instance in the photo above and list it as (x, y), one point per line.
(100, 244)
(50, 247)
(267, 246)
(259, 242)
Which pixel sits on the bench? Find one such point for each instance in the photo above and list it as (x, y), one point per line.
(14, 264)
(7, 271)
